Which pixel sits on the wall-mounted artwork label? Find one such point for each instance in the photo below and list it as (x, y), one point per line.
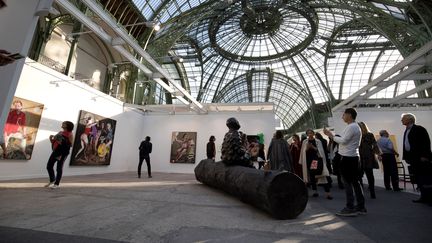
(183, 147)
(21, 128)
(94, 140)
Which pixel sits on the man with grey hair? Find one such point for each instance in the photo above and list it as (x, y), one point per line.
(417, 153)
(389, 161)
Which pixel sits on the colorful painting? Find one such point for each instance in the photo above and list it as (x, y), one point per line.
(94, 140)
(183, 147)
(21, 128)
(253, 146)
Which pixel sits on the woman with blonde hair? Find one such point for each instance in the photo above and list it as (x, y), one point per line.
(368, 149)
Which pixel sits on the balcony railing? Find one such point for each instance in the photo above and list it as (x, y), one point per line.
(44, 60)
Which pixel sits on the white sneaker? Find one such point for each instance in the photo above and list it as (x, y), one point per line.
(54, 186)
(49, 184)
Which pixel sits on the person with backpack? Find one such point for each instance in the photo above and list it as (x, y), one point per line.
(61, 144)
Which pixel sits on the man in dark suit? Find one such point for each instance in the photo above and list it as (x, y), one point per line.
(145, 149)
(417, 153)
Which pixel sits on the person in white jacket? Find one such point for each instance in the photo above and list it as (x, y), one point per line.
(314, 164)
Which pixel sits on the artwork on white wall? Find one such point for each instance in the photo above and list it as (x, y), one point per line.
(183, 147)
(93, 140)
(21, 127)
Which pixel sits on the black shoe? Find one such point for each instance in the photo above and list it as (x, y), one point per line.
(420, 200)
(315, 195)
(139, 176)
(398, 189)
(361, 211)
(372, 194)
(388, 188)
(149, 176)
(347, 212)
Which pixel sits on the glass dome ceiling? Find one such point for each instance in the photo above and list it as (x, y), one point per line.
(299, 54)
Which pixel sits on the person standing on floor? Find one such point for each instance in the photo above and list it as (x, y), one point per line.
(314, 164)
(389, 161)
(368, 150)
(349, 143)
(261, 156)
(295, 148)
(61, 144)
(211, 148)
(417, 153)
(325, 147)
(335, 160)
(278, 153)
(145, 149)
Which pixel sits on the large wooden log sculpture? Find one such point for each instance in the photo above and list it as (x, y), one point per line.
(282, 194)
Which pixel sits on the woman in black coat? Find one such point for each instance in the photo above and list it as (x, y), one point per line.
(211, 148)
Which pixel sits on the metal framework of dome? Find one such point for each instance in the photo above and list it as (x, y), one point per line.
(305, 56)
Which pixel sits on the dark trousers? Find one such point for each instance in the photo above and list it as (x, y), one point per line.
(50, 167)
(422, 172)
(390, 171)
(147, 160)
(313, 182)
(336, 171)
(371, 180)
(350, 171)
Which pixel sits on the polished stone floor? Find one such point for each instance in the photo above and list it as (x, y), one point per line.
(119, 207)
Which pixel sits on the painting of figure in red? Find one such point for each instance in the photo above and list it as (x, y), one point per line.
(21, 128)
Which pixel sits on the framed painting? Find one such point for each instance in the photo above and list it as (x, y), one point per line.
(94, 140)
(183, 147)
(21, 127)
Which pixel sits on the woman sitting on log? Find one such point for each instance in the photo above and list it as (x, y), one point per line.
(234, 147)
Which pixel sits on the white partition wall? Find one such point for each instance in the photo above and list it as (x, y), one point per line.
(160, 128)
(63, 98)
(388, 119)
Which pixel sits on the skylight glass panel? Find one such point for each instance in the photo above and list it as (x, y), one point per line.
(139, 3)
(392, 10)
(355, 57)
